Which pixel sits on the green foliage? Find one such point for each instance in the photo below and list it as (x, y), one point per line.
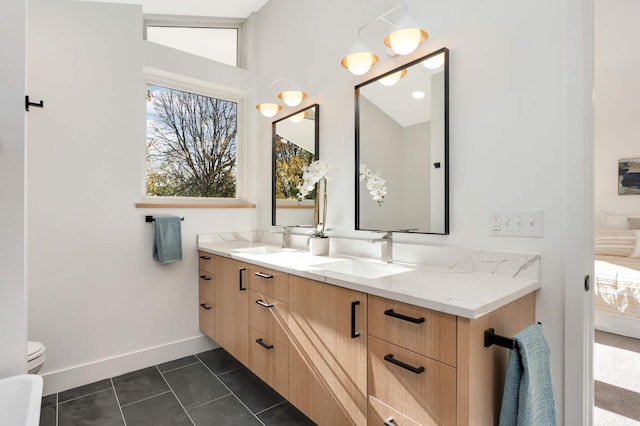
(191, 144)
(290, 159)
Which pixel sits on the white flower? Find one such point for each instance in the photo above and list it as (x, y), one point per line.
(312, 175)
(375, 184)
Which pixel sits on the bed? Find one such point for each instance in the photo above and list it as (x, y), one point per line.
(617, 282)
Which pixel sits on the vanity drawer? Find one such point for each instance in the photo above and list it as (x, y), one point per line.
(419, 387)
(269, 360)
(269, 282)
(420, 330)
(269, 315)
(206, 262)
(206, 285)
(207, 317)
(379, 414)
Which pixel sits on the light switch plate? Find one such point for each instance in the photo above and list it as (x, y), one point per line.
(515, 223)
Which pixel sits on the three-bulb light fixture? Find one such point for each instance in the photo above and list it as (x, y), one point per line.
(403, 39)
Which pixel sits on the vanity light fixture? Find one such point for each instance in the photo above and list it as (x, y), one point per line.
(406, 35)
(434, 62)
(268, 109)
(392, 79)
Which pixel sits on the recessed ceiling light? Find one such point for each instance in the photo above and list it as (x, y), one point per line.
(417, 94)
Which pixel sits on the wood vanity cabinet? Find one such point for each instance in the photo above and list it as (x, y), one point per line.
(232, 313)
(206, 291)
(328, 352)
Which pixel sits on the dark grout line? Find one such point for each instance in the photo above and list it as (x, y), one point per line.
(273, 406)
(144, 399)
(177, 368)
(118, 401)
(176, 396)
(82, 396)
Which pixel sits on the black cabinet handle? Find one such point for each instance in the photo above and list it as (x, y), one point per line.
(389, 312)
(354, 333)
(204, 305)
(263, 275)
(263, 304)
(389, 422)
(203, 257)
(205, 277)
(240, 270)
(392, 360)
(263, 344)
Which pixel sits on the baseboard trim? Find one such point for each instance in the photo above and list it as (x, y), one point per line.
(68, 378)
(617, 324)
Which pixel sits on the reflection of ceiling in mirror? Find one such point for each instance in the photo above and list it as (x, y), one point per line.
(396, 101)
(302, 133)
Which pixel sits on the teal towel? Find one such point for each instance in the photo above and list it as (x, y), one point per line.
(528, 392)
(167, 244)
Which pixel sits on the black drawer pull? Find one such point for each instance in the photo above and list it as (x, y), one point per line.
(263, 304)
(263, 275)
(240, 270)
(354, 333)
(389, 312)
(205, 277)
(203, 257)
(411, 368)
(204, 305)
(389, 422)
(263, 344)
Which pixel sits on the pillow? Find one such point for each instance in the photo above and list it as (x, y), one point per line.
(636, 250)
(616, 243)
(634, 222)
(610, 221)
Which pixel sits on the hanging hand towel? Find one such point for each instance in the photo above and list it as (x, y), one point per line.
(528, 392)
(167, 245)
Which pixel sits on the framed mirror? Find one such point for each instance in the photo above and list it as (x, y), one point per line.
(296, 144)
(402, 148)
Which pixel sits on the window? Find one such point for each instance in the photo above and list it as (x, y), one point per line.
(191, 144)
(216, 39)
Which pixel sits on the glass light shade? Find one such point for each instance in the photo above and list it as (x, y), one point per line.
(406, 36)
(298, 117)
(434, 63)
(268, 109)
(359, 59)
(392, 79)
(292, 97)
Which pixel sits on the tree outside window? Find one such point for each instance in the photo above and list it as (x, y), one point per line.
(191, 144)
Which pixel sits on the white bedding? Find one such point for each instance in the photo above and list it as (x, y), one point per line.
(617, 285)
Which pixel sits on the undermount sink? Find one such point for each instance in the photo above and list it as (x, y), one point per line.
(20, 399)
(263, 250)
(363, 269)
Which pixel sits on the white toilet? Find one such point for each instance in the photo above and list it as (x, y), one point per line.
(35, 357)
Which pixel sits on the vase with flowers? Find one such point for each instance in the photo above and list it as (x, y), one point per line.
(314, 177)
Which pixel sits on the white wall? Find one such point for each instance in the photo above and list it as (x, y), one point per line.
(617, 100)
(95, 294)
(13, 305)
(513, 125)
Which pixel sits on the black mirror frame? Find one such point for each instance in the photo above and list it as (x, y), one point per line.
(273, 152)
(444, 51)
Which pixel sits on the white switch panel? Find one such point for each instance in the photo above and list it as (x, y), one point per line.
(515, 223)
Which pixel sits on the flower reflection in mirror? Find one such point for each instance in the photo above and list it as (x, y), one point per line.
(375, 184)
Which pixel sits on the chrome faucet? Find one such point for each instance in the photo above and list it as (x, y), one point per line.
(286, 239)
(386, 247)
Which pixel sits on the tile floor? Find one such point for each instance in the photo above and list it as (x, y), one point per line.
(210, 388)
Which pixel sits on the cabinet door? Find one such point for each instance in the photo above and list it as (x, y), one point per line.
(232, 317)
(327, 376)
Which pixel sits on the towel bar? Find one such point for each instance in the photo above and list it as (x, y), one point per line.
(150, 219)
(491, 338)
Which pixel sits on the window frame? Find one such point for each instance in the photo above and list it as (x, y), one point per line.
(200, 22)
(202, 88)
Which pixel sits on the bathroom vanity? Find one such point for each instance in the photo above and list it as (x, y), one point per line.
(354, 341)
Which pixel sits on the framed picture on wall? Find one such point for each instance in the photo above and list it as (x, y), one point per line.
(629, 176)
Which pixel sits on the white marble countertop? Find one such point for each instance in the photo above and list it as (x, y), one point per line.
(458, 292)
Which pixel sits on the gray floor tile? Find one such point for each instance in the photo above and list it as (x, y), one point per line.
(161, 410)
(84, 390)
(222, 412)
(138, 385)
(284, 414)
(250, 389)
(219, 361)
(48, 411)
(194, 385)
(98, 409)
(177, 363)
